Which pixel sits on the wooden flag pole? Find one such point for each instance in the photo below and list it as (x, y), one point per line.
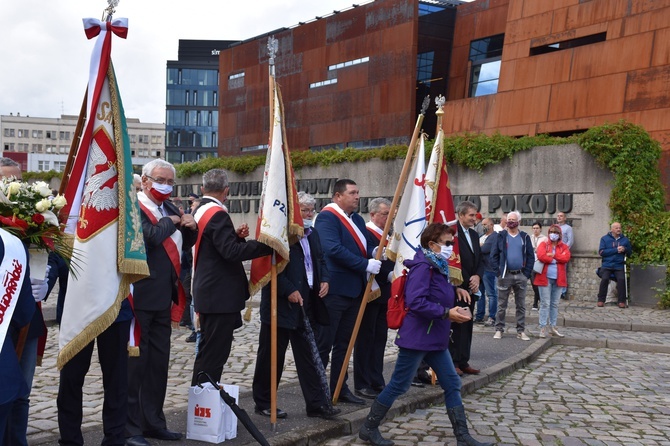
(382, 243)
(273, 46)
(273, 343)
(74, 147)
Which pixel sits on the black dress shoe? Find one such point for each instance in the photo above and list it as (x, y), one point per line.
(137, 440)
(366, 393)
(378, 389)
(268, 413)
(350, 398)
(325, 412)
(164, 434)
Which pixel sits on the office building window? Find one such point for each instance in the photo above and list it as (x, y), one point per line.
(424, 67)
(37, 148)
(485, 56)
(37, 134)
(349, 63)
(323, 83)
(59, 166)
(9, 132)
(43, 165)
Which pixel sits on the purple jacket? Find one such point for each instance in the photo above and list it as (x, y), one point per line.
(428, 294)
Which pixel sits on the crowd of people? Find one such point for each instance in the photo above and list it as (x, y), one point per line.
(320, 291)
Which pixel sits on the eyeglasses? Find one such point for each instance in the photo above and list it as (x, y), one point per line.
(308, 211)
(160, 180)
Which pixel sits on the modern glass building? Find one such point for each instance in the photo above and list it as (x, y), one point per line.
(192, 99)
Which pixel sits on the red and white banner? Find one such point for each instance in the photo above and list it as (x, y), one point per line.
(279, 220)
(440, 203)
(102, 211)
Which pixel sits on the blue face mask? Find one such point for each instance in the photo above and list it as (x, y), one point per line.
(306, 223)
(554, 237)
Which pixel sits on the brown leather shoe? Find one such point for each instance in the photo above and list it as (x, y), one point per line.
(601, 304)
(622, 305)
(470, 371)
(459, 371)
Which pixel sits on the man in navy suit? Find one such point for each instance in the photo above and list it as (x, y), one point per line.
(348, 246)
(303, 283)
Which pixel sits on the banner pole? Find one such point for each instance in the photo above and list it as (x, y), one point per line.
(382, 244)
(273, 344)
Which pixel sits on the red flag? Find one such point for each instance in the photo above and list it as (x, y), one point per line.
(440, 201)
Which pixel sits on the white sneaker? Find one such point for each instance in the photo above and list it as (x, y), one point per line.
(498, 335)
(523, 336)
(543, 332)
(555, 332)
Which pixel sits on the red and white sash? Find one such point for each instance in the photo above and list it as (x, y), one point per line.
(202, 217)
(356, 234)
(12, 273)
(172, 246)
(348, 223)
(374, 230)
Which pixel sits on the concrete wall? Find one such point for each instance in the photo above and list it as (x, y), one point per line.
(563, 177)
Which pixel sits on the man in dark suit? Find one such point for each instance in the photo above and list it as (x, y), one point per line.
(166, 231)
(348, 246)
(220, 286)
(371, 340)
(472, 268)
(303, 283)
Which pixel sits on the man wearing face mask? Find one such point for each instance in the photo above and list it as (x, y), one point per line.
(156, 299)
(303, 283)
(472, 267)
(512, 258)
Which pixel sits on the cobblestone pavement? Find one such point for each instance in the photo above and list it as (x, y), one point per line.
(567, 396)
(572, 394)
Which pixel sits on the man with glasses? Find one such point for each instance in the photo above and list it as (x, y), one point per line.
(371, 340)
(512, 259)
(166, 232)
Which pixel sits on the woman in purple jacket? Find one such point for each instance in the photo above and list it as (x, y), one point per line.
(424, 335)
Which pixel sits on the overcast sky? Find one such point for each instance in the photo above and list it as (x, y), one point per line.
(44, 53)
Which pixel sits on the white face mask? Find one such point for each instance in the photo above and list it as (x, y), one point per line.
(307, 223)
(162, 188)
(446, 251)
(554, 237)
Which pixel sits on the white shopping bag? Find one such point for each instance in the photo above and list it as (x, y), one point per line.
(205, 420)
(229, 417)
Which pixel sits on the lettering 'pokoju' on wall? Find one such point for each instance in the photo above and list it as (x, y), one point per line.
(249, 193)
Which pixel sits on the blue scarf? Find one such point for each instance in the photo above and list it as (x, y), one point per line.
(437, 261)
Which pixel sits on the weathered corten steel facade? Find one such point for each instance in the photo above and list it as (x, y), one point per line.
(567, 65)
(370, 100)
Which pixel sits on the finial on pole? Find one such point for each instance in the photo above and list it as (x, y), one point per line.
(273, 48)
(110, 10)
(439, 101)
(425, 104)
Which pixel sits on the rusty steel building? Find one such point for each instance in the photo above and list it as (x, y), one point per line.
(356, 78)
